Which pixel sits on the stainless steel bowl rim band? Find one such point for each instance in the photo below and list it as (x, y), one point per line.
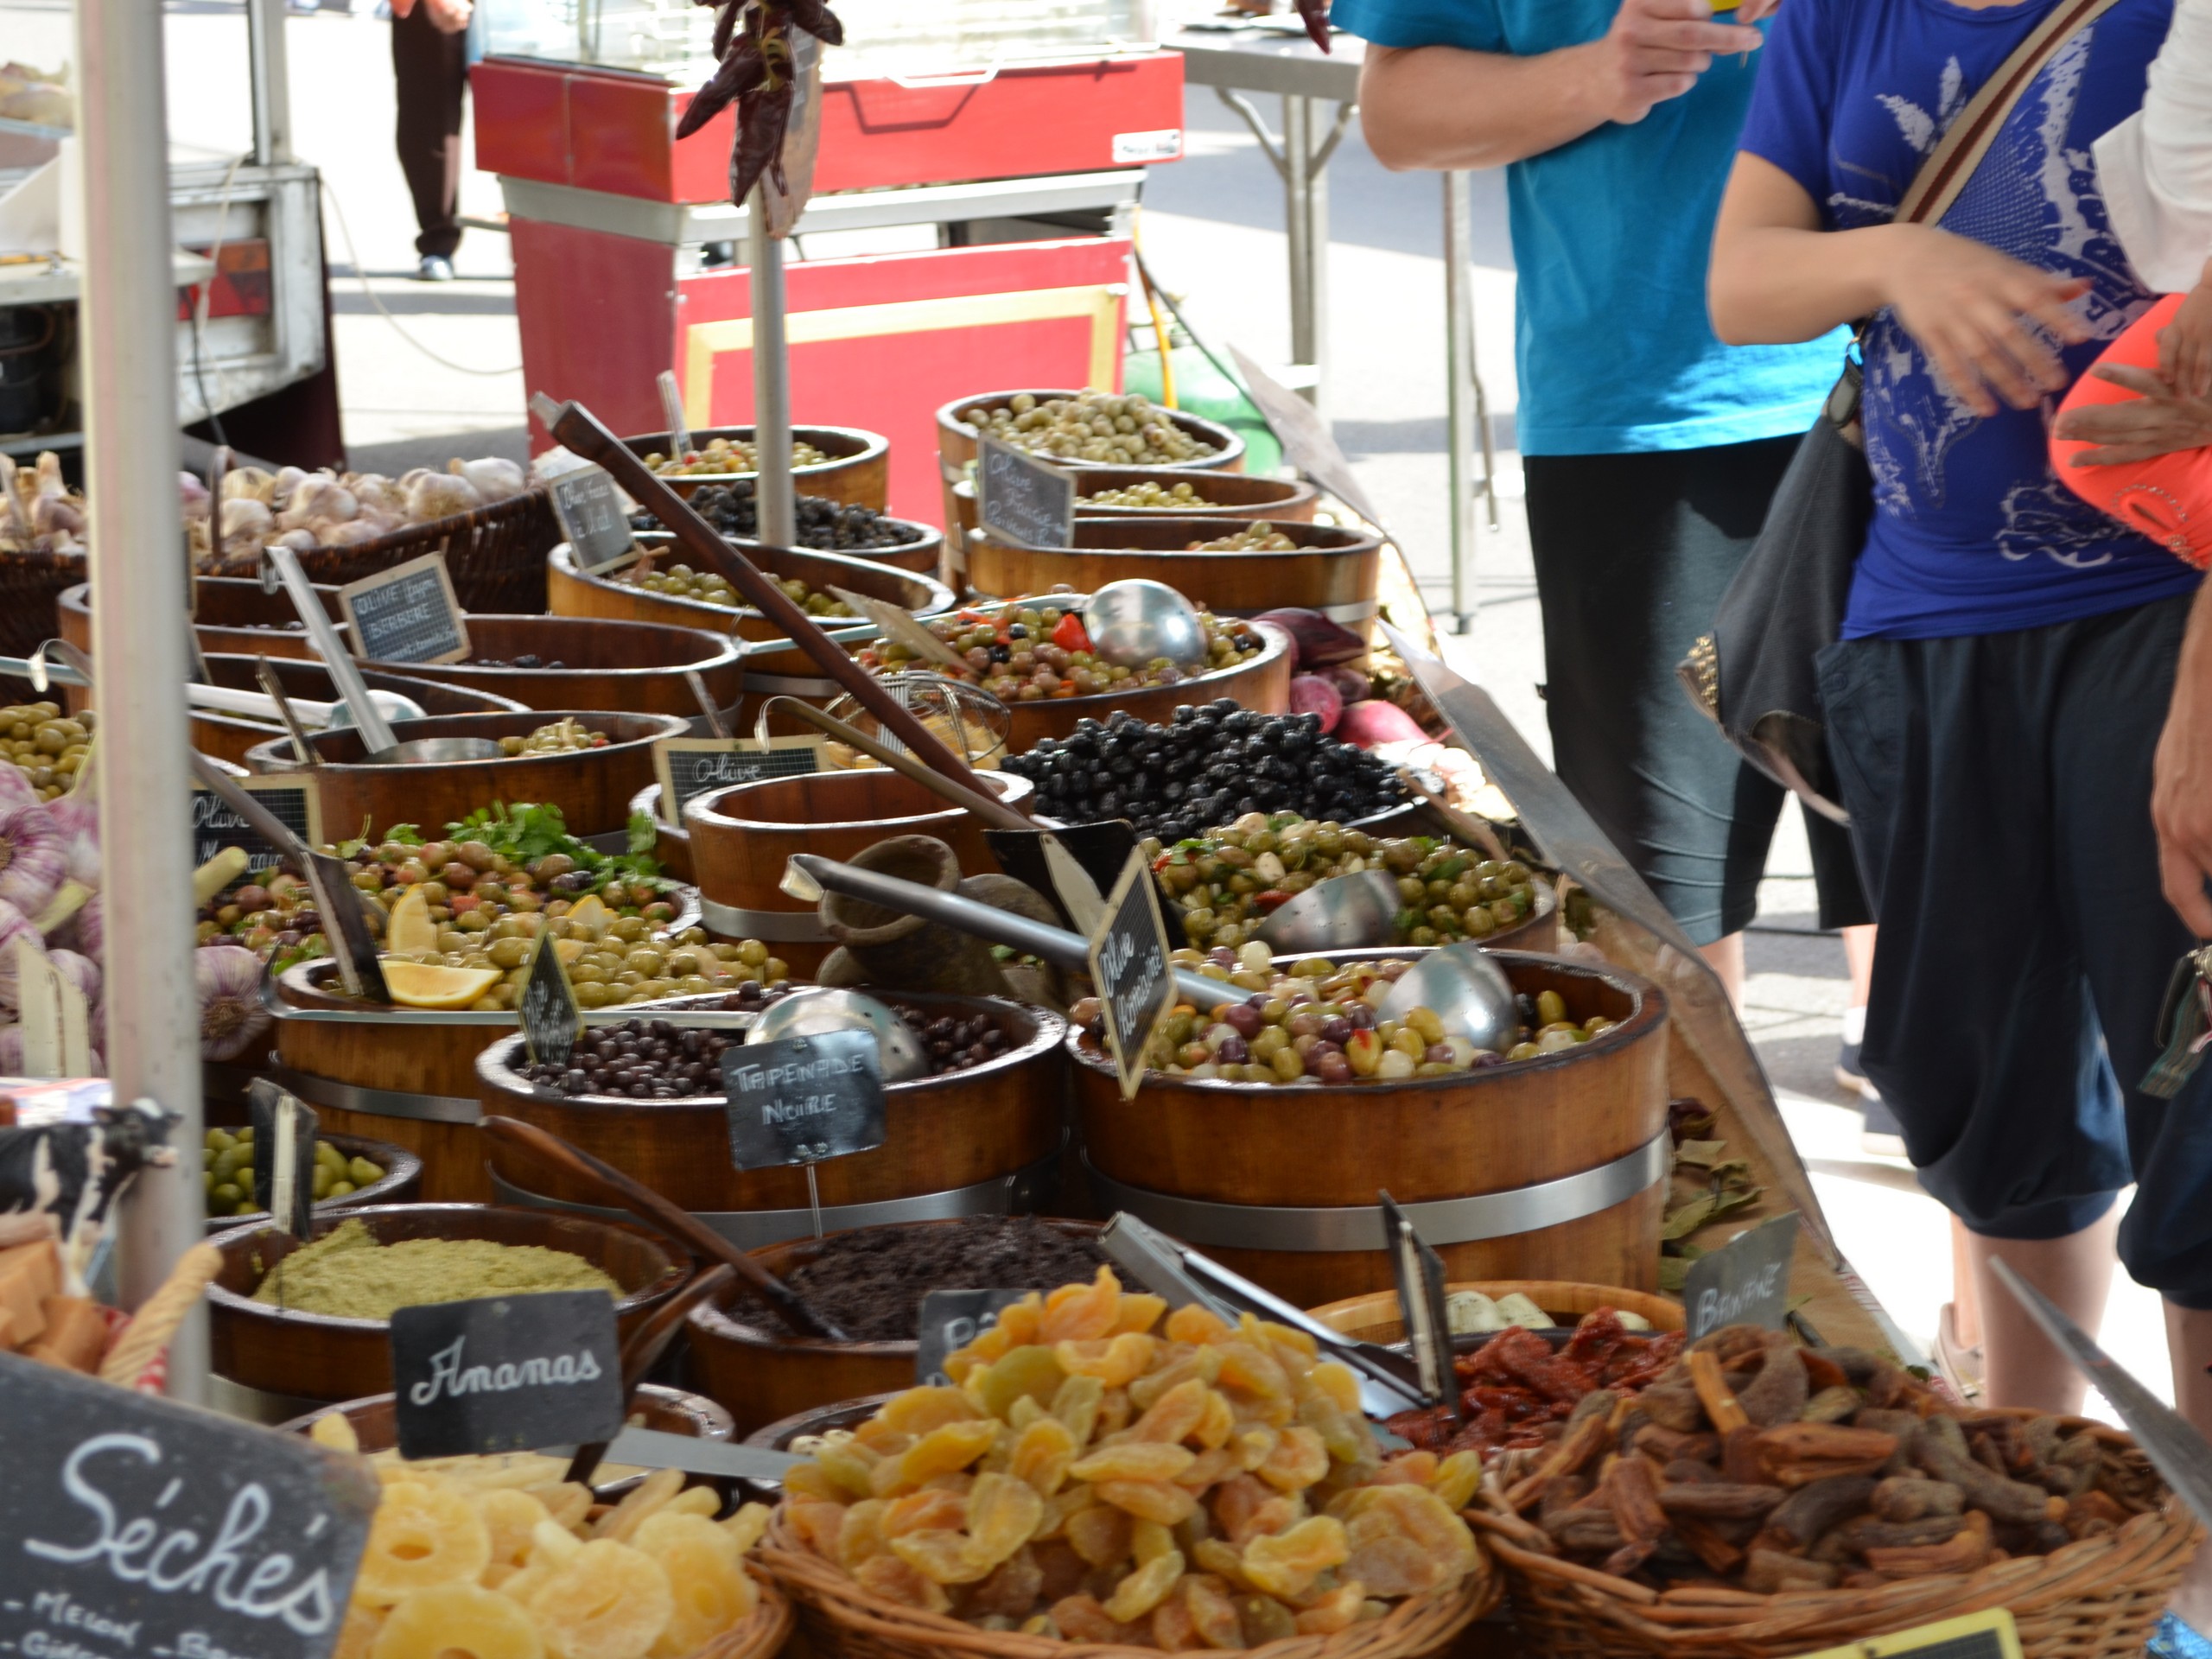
(769, 926)
(751, 1229)
(1359, 1227)
(376, 1102)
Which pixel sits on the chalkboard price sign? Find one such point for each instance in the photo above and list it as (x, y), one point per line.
(1028, 501)
(283, 1186)
(506, 1374)
(551, 1018)
(137, 1527)
(1991, 1634)
(406, 614)
(1745, 1281)
(589, 508)
(950, 1321)
(293, 797)
(803, 1099)
(1129, 966)
(689, 767)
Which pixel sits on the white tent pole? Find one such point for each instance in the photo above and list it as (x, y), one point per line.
(128, 301)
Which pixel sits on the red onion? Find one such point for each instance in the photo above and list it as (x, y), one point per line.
(1309, 694)
(1316, 641)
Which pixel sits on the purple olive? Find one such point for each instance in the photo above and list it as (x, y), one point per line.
(1336, 1030)
(1437, 1054)
(1246, 1019)
(1330, 1068)
(1361, 1015)
(1234, 1050)
(1221, 957)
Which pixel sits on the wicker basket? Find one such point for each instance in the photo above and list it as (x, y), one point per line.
(762, 1633)
(2095, 1598)
(496, 555)
(31, 586)
(842, 1621)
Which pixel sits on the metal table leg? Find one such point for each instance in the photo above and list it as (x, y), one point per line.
(1302, 164)
(1466, 404)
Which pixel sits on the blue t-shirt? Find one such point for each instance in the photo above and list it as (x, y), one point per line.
(1610, 235)
(1972, 533)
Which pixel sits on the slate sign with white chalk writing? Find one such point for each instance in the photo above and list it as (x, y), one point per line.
(506, 1374)
(803, 1099)
(406, 614)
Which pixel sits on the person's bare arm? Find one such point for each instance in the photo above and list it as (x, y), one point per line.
(2181, 790)
(1443, 108)
(1776, 276)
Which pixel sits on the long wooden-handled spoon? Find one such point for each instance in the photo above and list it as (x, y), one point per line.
(642, 1351)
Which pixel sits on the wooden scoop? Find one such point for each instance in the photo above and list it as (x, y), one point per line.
(551, 1152)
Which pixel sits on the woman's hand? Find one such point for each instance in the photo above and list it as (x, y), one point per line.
(2156, 421)
(2186, 344)
(1971, 309)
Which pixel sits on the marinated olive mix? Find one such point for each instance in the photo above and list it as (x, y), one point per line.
(1147, 494)
(1030, 651)
(1319, 1023)
(1227, 881)
(831, 526)
(682, 581)
(226, 1172)
(1253, 538)
(719, 456)
(45, 745)
(1121, 431)
(1204, 766)
(560, 737)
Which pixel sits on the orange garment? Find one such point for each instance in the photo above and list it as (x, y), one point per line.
(2169, 497)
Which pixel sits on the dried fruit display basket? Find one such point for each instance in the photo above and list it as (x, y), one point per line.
(2097, 1598)
(843, 1621)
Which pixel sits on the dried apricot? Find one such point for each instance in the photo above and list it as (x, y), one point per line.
(849, 1463)
(809, 1480)
(1010, 1592)
(1457, 1479)
(1344, 1437)
(1114, 1410)
(941, 1451)
(1223, 1559)
(1194, 1323)
(1284, 1564)
(608, 1602)
(465, 1618)
(942, 1557)
(1062, 1568)
(1001, 1513)
(1134, 1460)
(1077, 1312)
(862, 1536)
(1140, 1311)
(1116, 1361)
(1244, 1365)
(1149, 1500)
(894, 1579)
(1265, 1620)
(1081, 1618)
(1298, 1460)
(421, 1536)
(924, 1511)
(817, 1524)
(1211, 1468)
(1334, 1378)
(1061, 1508)
(1213, 1615)
(1418, 1514)
(1033, 1371)
(1101, 1535)
(1148, 1541)
(1173, 1630)
(1235, 1501)
(1253, 1446)
(1076, 1404)
(1390, 1564)
(1415, 1468)
(1185, 1363)
(917, 1411)
(1218, 1425)
(1042, 1455)
(1174, 1414)
(1338, 1611)
(1146, 1588)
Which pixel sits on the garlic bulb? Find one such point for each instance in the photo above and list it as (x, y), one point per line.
(491, 477)
(440, 495)
(15, 927)
(320, 500)
(249, 484)
(34, 856)
(243, 516)
(82, 972)
(87, 929)
(228, 979)
(76, 819)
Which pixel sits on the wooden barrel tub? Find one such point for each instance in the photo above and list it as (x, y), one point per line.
(741, 835)
(673, 848)
(1336, 572)
(231, 737)
(858, 470)
(982, 1141)
(313, 1357)
(592, 787)
(403, 1178)
(235, 615)
(630, 668)
(762, 1374)
(1221, 495)
(1552, 1168)
(955, 448)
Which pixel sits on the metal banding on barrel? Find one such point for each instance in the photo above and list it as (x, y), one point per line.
(376, 1102)
(1000, 1195)
(1359, 1227)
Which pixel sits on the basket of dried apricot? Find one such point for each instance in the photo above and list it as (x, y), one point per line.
(1106, 1475)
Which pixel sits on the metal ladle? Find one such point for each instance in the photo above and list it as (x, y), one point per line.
(1464, 986)
(1135, 621)
(810, 1013)
(1344, 913)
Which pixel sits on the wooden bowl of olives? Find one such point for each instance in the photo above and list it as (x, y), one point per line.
(843, 463)
(368, 1171)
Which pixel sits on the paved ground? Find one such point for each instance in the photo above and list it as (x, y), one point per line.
(426, 372)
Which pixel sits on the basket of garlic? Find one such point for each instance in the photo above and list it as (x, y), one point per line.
(1105, 1475)
(492, 526)
(42, 554)
(501, 1558)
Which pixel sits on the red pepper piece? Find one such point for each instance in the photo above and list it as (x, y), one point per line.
(1269, 898)
(1069, 634)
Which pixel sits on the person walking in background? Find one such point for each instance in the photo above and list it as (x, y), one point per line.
(430, 45)
(1651, 448)
(2009, 653)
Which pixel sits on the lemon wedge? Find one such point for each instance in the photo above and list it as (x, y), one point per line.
(410, 931)
(591, 912)
(566, 950)
(432, 985)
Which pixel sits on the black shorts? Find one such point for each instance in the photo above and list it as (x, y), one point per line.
(1999, 791)
(1633, 553)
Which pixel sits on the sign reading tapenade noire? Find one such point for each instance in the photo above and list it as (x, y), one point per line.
(133, 1526)
(1130, 968)
(284, 1132)
(799, 1100)
(406, 614)
(689, 767)
(1745, 1281)
(505, 1374)
(552, 1019)
(293, 797)
(1419, 1273)
(589, 508)
(1027, 500)
(951, 1319)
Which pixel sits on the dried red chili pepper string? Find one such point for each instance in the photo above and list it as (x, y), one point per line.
(754, 70)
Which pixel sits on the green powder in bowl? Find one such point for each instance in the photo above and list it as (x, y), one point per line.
(347, 1275)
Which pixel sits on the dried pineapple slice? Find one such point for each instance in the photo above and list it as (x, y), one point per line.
(609, 1602)
(422, 1536)
(462, 1618)
(705, 1575)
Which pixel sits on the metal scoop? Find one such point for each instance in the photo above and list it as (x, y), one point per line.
(809, 1013)
(1465, 989)
(1132, 622)
(1345, 912)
